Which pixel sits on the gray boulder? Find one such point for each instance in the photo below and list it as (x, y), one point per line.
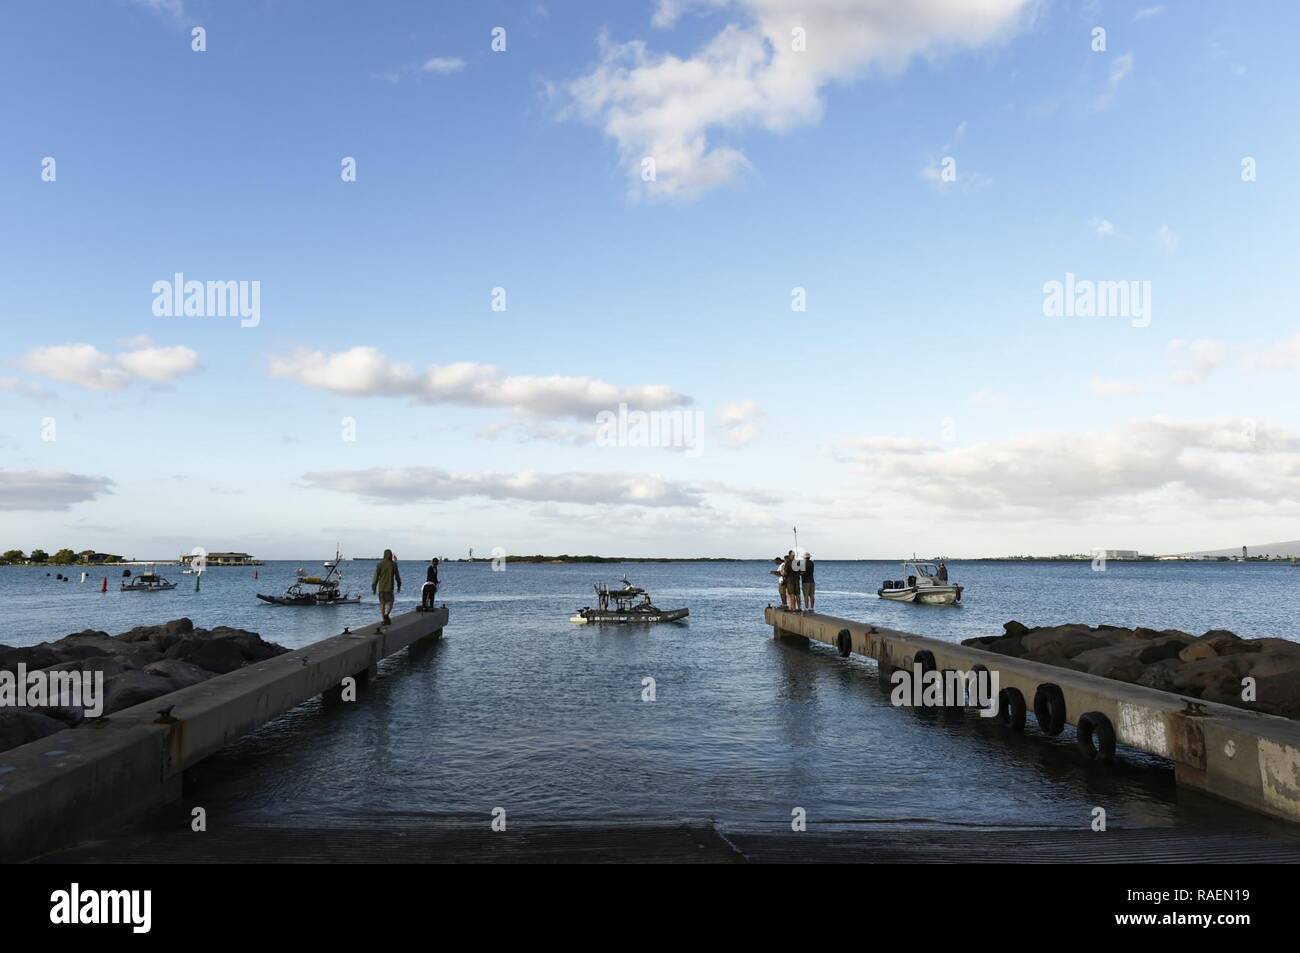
(135, 688)
(184, 674)
(19, 726)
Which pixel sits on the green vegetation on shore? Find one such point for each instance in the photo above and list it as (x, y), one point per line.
(64, 557)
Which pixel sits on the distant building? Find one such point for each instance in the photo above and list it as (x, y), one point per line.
(224, 559)
(1120, 553)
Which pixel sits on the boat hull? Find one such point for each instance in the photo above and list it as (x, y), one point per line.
(308, 601)
(930, 596)
(609, 616)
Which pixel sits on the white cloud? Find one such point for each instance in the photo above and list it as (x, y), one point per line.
(363, 371)
(1103, 387)
(1198, 359)
(48, 489)
(24, 388)
(443, 65)
(1190, 466)
(1102, 227)
(159, 364)
(739, 423)
(87, 366)
(416, 484)
(1167, 237)
(1145, 13)
(749, 76)
(1120, 70)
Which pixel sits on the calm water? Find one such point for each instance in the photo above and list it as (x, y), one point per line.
(519, 708)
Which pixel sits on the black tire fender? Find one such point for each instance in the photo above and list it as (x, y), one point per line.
(844, 643)
(1011, 708)
(925, 659)
(1096, 737)
(1049, 708)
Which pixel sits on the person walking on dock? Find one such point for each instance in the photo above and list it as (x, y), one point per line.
(386, 574)
(809, 584)
(430, 590)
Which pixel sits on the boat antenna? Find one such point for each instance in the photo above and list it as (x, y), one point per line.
(796, 540)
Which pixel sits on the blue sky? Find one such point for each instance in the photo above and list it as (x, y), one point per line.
(922, 401)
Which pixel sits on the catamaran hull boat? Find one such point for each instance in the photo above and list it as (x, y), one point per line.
(622, 605)
(921, 583)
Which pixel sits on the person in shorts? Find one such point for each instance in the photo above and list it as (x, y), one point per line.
(791, 581)
(386, 575)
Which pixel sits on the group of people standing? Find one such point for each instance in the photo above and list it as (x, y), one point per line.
(387, 576)
(795, 582)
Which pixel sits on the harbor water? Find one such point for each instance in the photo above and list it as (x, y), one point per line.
(519, 708)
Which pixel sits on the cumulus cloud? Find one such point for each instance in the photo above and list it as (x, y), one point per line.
(1167, 238)
(1102, 228)
(739, 423)
(88, 366)
(364, 371)
(1197, 359)
(48, 489)
(751, 75)
(417, 484)
(1118, 472)
(12, 385)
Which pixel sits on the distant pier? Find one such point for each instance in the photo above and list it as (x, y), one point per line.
(1248, 758)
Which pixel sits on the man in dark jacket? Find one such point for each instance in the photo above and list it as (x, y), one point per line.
(386, 574)
(430, 590)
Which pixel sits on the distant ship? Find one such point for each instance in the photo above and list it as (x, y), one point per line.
(629, 604)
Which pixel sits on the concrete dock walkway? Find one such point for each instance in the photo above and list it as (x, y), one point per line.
(1245, 757)
(115, 769)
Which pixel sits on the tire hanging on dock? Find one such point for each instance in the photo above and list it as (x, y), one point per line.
(1011, 708)
(1049, 708)
(1096, 737)
(844, 643)
(925, 659)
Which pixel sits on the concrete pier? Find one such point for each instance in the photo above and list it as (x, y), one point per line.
(115, 769)
(1250, 759)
